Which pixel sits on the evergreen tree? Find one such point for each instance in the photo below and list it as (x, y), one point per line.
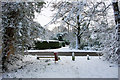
(18, 26)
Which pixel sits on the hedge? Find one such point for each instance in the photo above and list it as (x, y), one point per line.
(48, 45)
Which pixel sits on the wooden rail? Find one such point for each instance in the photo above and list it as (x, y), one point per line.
(65, 53)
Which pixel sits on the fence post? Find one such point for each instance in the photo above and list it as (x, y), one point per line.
(73, 56)
(56, 56)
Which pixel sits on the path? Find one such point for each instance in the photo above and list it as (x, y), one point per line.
(65, 68)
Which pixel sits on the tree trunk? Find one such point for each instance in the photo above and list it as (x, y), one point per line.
(68, 28)
(117, 18)
(78, 32)
(117, 21)
(8, 48)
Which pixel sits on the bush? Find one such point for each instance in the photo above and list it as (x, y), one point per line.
(47, 45)
(82, 46)
(67, 42)
(63, 44)
(97, 43)
(54, 38)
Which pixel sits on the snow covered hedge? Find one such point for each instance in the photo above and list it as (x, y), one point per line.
(49, 44)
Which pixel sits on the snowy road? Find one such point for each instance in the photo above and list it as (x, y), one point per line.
(65, 68)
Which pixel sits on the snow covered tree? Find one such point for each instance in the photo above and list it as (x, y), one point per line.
(116, 9)
(19, 30)
(97, 15)
(106, 34)
(80, 15)
(0, 44)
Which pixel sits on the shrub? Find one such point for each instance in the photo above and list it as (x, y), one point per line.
(63, 44)
(67, 42)
(47, 45)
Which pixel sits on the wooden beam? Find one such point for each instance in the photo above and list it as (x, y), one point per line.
(65, 53)
(44, 57)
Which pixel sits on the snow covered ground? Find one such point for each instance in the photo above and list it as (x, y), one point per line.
(0, 76)
(64, 68)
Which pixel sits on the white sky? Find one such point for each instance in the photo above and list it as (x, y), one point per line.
(45, 16)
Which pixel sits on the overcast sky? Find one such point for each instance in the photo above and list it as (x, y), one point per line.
(46, 15)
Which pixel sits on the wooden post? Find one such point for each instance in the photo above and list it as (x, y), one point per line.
(56, 56)
(88, 58)
(73, 56)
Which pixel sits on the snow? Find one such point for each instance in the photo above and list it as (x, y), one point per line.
(38, 39)
(65, 68)
(0, 76)
(63, 49)
(114, 0)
